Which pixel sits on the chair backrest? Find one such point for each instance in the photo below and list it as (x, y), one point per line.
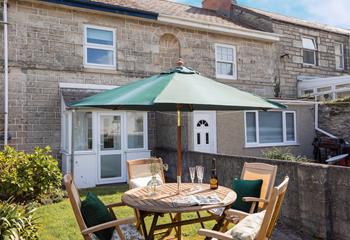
(273, 210)
(141, 168)
(74, 199)
(266, 172)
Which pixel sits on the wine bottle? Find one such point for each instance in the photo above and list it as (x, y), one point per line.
(214, 184)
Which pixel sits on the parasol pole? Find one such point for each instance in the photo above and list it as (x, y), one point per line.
(179, 148)
(178, 136)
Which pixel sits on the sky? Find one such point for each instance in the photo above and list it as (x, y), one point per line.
(332, 12)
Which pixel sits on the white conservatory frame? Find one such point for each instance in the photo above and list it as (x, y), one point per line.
(318, 87)
(86, 162)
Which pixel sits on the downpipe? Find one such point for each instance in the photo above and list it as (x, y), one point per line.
(6, 70)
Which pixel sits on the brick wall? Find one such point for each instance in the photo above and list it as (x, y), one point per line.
(317, 201)
(46, 48)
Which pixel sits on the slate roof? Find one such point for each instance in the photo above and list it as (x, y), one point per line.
(72, 95)
(176, 10)
(301, 22)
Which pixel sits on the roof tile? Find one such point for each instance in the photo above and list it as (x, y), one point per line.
(175, 9)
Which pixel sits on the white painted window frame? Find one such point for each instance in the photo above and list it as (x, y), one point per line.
(101, 47)
(145, 133)
(342, 56)
(308, 49)
(234, 63)
(284, 131)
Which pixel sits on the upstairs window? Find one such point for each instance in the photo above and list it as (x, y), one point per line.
(339, 55)
(309, 51)
(225, 58)
(99, 47)
(270, 128)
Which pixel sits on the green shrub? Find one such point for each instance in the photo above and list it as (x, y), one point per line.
(30, 176)
(284, 154)
(340, 100)
(17, 222)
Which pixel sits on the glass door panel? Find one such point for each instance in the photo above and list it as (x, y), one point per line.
(111, 166)
(110, 133)
(110, 150)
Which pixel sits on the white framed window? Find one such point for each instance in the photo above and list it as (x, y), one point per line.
(309, 50)
(99, 47)
(339, 55)
(83, 132)
(225, 61)
(136, 130)
(265, 129)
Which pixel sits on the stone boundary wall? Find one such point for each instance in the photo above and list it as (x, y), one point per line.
(318, 198)
(335, 119)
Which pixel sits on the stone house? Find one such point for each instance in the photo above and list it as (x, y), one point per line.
(61, 51)
(306, 49)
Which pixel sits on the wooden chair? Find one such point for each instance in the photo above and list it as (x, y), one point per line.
(254, 171)
(140, 168)
(266, 172)
(269, 221)
(87, 232)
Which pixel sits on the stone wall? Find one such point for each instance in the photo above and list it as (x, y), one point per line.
(291, 66)
(317, 202)
(335, 119)
(46, 48)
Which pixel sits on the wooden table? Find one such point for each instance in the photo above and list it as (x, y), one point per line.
(156, 206)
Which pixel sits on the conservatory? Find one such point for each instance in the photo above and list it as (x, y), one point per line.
(323, 89)
(102, 140)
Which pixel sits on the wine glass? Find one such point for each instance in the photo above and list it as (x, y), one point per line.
(192, 175)
(200, 173)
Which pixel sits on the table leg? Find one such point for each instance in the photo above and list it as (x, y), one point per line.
(178, 219)
(143, 224)
(219, 222)
(154, 223)
(201, 222)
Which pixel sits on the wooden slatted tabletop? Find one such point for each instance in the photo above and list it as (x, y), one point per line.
(139, 198)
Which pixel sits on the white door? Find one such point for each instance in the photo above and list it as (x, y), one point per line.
(204, 124)
(111, 165)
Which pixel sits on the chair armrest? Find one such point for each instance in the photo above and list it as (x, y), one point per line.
(234, 214)
(214, 234)
(110, 224)
(112, 205)
(254, 199)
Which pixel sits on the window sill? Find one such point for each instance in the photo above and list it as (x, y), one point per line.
(84, 152)
(307, 65)
(99, 67)
(131, 150)
(264, 145)
(226, 77)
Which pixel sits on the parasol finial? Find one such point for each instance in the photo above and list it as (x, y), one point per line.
(180, 62)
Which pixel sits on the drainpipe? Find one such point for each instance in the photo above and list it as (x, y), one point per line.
(5, 74)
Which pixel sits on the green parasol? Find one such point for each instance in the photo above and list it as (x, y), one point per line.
(178, 89)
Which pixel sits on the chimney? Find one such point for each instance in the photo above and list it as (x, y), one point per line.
(220, 6)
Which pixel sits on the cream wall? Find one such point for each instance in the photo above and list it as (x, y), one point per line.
(231, 136)
(230, 132)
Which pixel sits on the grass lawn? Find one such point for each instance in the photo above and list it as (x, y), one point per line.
(57, 220)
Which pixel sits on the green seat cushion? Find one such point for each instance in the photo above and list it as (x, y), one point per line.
(95, 212)
(246, 188)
